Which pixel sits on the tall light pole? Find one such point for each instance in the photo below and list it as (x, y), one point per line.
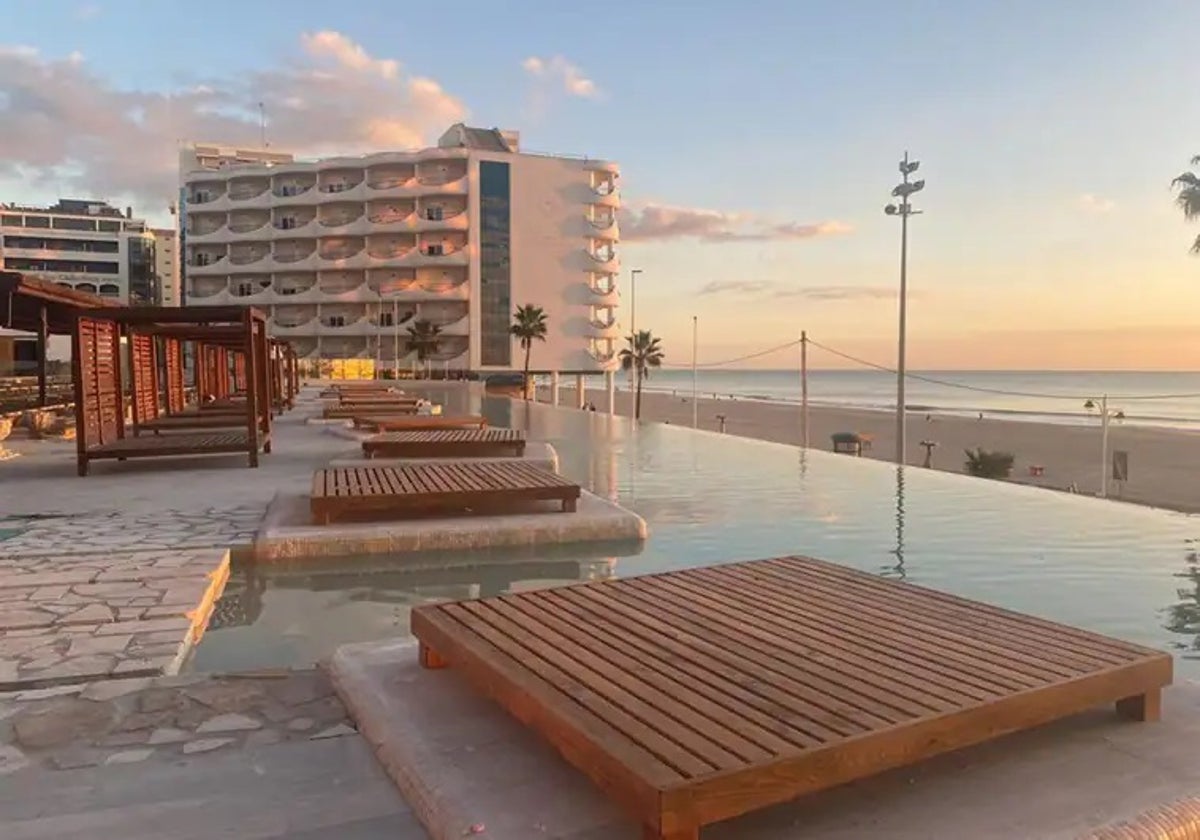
(904, 209)
(633, 273)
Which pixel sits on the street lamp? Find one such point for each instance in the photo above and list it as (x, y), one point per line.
(633, 273)
(902, 191)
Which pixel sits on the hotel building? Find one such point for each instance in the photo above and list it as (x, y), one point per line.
(346, 253)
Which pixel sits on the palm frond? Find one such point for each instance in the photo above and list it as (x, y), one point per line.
(1196, 246)
(1189, 201)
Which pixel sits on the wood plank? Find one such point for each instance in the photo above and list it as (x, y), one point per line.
(781, 677)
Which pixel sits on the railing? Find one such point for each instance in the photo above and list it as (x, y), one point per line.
(296, 223)
(393, 253)
(340, 253)
(605, 187)
(246, 227)
(288, 323)
(603, 255)
(440, 180)
(245, 259)
(389, 183)
(203, 197)
(388, 218)
(291, 190)
(337, 187)
(246, 193)
(340, 221)
(295, 290)
(197, 262)
(291, 256)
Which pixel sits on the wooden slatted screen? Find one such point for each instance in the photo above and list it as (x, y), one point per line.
(144, 378)
(175, 394)
(98, 417)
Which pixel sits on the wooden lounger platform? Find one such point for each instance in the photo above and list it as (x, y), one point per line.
(392, 492)
(199, 443)
(446, 443)
(695, 696)
(195, 420)
(346, 412)
(409, 422)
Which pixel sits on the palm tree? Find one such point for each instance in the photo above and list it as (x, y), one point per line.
(644, 352)
(529, 325)
(423, 339)
(1188, 199)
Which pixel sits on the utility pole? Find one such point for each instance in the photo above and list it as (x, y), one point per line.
(695, 346)
(804, 388)
(904, 209)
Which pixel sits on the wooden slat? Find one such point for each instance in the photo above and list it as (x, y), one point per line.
(435, 487)
(728, 688)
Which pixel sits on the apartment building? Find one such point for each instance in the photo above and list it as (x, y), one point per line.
(86, 245)
(166, 266)
(345, 254)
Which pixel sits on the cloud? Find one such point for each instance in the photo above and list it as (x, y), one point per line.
(561, 75)
(816, 293)
(64, 125)
(87, 11)
(661, 222)
(1096, 205)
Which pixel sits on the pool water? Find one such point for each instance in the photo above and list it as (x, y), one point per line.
(1120, 569)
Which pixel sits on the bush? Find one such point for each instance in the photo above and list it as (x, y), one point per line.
(989, 464)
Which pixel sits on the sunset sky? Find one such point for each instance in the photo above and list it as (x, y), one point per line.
(758, 144)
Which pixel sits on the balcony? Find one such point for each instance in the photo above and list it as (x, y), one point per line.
(604, 183)
(340, 282)
(603, 256)
(443, 214)
(390, 212)
(603, 285)
(391, 282)
(390, 247)
(248, 256)
(450, 347)
(437, 282)
(603, 317)
(335, 181)
(207, 287)
(294, 250)
(204, 224)
(291, 285)
(293, 188)
(340, 248)
(603, 350)
(390, 177)
(248, 222)
(339, 215)
(442, 313)
(246, 189)
(205, 192)
(294, 317)
(441, 173)
(207, 261)
(241, 288)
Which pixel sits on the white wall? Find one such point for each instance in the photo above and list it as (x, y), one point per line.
(550, 265)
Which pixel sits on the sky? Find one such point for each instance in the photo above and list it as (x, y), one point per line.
(758, 145)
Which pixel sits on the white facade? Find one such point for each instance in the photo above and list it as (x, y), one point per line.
(166, 266)
(345, 254)
(86, 245)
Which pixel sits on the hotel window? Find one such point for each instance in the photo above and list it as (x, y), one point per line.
(386, 319)
(109, 227)
(203, 259)
(495, 266)
(434, 213)
(10, 221)
(245, 289)
(287, 223)
(37, 221)
(335, 321)
(435, 249)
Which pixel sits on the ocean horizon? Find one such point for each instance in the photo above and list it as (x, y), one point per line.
(1160, 398)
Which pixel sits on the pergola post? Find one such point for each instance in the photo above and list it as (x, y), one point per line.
(43, 345)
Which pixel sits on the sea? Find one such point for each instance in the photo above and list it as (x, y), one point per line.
(1144, 398)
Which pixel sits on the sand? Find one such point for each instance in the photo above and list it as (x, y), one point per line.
(1164, 464)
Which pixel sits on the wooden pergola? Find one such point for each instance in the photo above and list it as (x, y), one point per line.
(44, 309)
(285, 375)
(231, 352)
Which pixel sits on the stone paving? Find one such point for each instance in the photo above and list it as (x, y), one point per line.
(83, 616)
(58, 533)
(164, 719)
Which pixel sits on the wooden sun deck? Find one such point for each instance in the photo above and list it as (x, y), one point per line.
(446, 443)
(692, 697)
(411, 422)
(347, 411)
(421, 489)
(213, 419)
(195, 443)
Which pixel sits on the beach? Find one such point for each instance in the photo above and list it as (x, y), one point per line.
(1162, 461)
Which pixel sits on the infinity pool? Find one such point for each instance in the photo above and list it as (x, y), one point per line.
(1129, 571)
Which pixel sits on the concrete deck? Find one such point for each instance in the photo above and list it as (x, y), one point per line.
(287, 532)
(461, 761)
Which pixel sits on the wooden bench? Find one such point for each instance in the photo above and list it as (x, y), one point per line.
(694, 696)
(411, 422)
(417, 489)
(348, 411)
(194, 420)
(446, 443)
(164, 446)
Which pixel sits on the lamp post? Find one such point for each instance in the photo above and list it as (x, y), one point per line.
(633, 273)
(904, 209)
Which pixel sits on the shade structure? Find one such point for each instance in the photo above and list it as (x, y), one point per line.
(231, 357)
